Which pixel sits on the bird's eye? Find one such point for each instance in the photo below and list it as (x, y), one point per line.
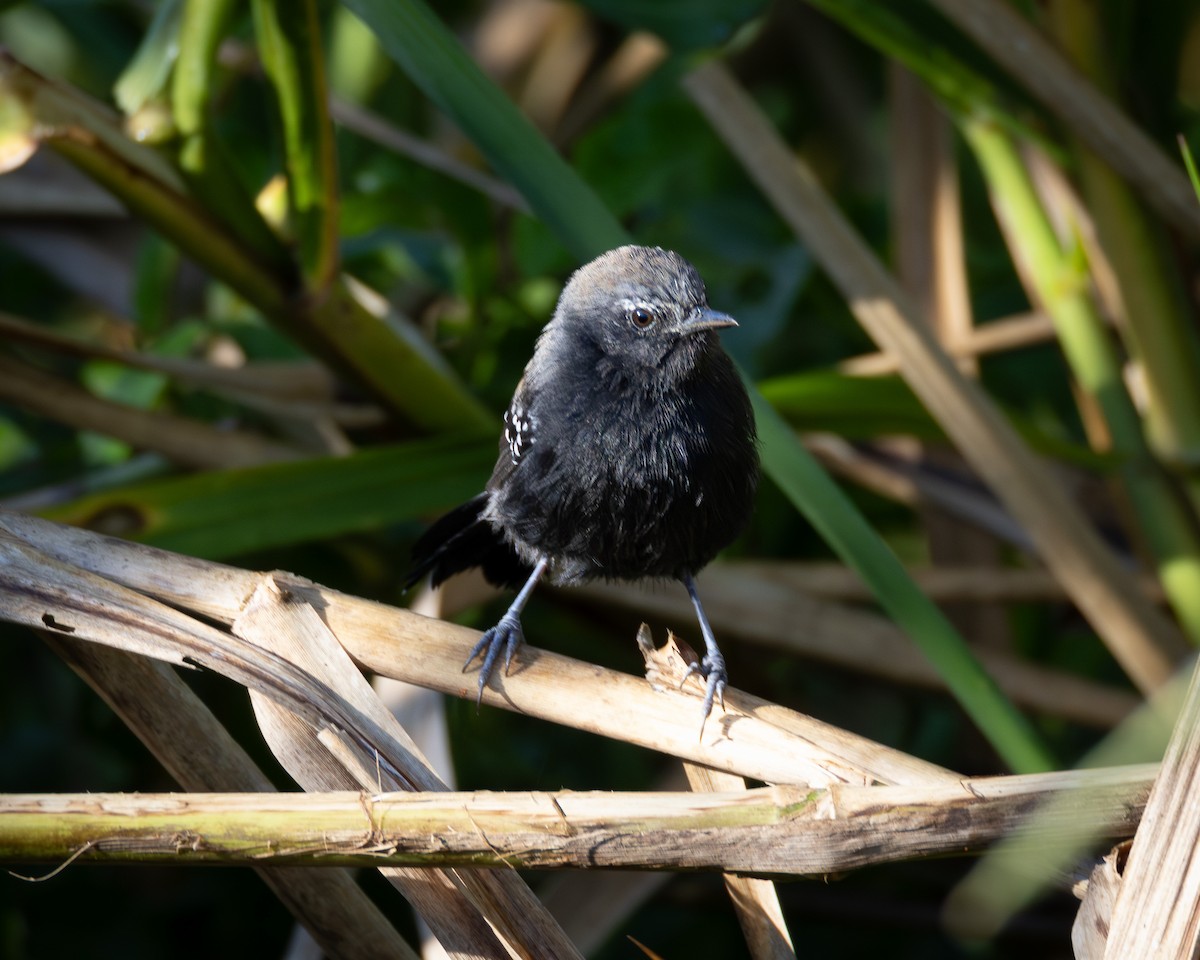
(642, 316)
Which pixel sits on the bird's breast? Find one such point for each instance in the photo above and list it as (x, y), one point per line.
(629, 488)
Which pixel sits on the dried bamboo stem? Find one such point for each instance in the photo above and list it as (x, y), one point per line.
(959, 584)
(755, 901)
(188, 442)
(1157, 911)
(757, 609)
(66, 581)
(491, 914)
(199, 753)
(908, 484)
(783, 831)
(288, 381)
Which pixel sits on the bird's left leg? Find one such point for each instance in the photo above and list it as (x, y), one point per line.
(507, 635)
(712, 665)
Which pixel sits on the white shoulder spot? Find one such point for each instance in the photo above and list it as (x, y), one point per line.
(518, 430)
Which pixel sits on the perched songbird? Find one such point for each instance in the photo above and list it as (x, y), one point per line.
(629, 451)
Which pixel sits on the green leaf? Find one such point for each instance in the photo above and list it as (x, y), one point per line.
(864, 408)
(852, 407)
(356, 64)
(224, 513)
(1190, 162)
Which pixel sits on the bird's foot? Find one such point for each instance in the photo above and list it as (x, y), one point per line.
(507, 635)
(712, 669)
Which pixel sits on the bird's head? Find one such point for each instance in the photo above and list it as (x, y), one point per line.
(642, 310)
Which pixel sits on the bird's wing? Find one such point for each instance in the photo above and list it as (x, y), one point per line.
(520, 434)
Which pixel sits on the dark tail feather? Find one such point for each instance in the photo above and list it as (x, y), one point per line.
(462, 539)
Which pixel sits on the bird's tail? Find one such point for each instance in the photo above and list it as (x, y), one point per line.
(462, 539)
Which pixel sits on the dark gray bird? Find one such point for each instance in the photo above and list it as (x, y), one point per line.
(629, 451)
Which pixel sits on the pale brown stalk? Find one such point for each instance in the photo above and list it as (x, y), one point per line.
(785, 831)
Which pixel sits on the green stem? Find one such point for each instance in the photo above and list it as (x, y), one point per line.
(289, 43)
(1158, 327)
(210, 175)
(1061, 281)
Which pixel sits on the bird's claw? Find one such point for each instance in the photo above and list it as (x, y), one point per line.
(507, 635)
(712, 669)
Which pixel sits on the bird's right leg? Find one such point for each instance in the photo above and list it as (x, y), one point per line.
(507, 635)
(712, 666)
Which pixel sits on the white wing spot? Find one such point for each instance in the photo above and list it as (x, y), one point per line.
(518, 431)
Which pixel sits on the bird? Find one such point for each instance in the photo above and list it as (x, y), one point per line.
(629, 453)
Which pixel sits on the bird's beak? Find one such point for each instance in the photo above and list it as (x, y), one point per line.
(705, 318)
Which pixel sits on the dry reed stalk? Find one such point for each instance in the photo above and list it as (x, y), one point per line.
(186, 442)
(371, 126)
(931, 265)
(998, 336)
(960, 584)
(1089, 932)
(492, 913)
(638, 55)
(199, 753)
(1157, 910)
(905, 482)
(752, 738)
(761, 610)
(755, 901)
(593, 904)
(41, 592)
(288, 390)
(767, 831)
(285, 380)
